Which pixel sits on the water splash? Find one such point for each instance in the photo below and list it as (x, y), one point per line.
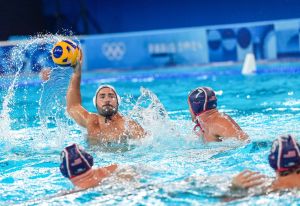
(51, 111)
(8, 99)
(22, 63)
(148, 108)
(151, 114)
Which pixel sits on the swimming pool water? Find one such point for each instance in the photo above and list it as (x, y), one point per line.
(171, 165)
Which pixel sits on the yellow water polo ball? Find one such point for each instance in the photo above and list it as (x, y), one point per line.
(66, 53)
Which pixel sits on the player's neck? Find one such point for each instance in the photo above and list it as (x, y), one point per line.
(289, 181)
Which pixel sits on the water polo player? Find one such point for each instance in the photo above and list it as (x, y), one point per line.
(76, 165)
(108, 124)
(210, 123)
(284, 158)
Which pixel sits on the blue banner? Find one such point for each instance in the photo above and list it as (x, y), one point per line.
(191, 46)
(146, 49)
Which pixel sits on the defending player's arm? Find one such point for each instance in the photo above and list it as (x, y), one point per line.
(74, 106)
(103, 172)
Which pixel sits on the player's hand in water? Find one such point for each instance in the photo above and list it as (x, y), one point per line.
(247, 179)
(45, 74)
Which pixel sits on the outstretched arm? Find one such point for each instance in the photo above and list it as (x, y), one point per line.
(125, 174)
(74, 107)
(103, 172)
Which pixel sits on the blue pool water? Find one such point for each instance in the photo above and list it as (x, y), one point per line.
(171, 165)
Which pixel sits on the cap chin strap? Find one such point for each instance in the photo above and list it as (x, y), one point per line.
(200, 130)
(198, 125)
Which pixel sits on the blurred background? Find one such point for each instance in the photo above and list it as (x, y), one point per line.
(153, 52)
(102, 16)
(120, 34)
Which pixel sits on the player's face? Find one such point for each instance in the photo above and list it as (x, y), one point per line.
(107, 102)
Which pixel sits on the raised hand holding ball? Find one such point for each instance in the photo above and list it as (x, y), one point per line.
(66, 53)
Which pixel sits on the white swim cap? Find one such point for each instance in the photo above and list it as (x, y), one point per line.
(106, 86)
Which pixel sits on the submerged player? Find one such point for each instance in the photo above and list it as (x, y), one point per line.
(210, 123)
(284, 158)
(108, 124)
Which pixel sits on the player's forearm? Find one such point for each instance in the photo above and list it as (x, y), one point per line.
(73, 94)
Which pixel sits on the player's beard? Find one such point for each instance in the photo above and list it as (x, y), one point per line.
(107, 111)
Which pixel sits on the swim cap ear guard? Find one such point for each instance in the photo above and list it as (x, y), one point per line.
(284, 154)
(75, 161)
(202, 99)
(105, 86)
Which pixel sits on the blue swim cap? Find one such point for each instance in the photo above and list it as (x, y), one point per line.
(75, 161)
(284, 154)
(202, 99)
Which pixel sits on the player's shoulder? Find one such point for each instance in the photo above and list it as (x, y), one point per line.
(92, 116)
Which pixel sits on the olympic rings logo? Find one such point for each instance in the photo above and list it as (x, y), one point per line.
(114, 51)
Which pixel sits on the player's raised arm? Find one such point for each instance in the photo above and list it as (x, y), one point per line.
(74, 106)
